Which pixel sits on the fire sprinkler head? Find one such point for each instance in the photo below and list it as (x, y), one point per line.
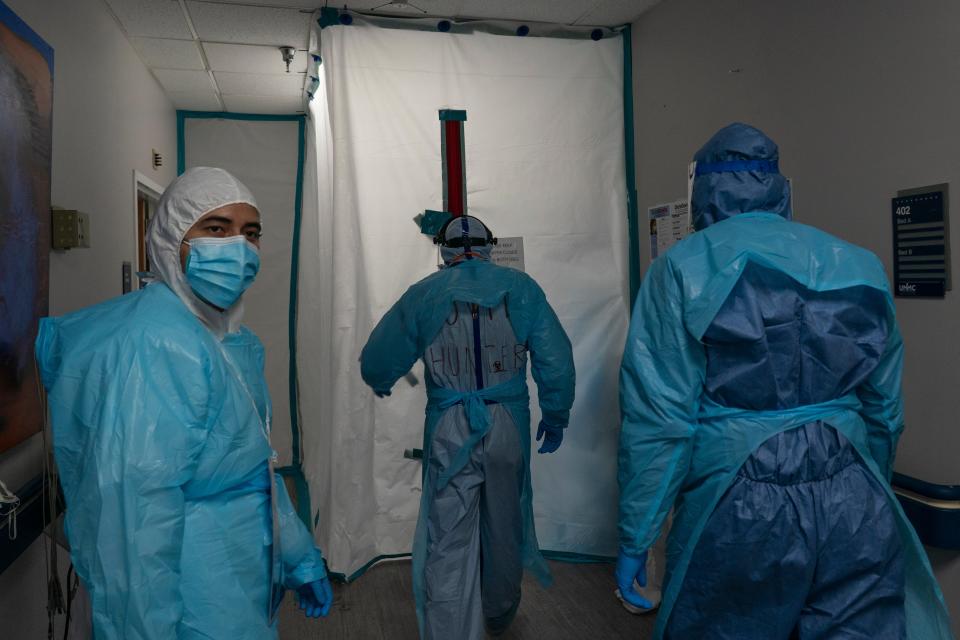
(288, 53)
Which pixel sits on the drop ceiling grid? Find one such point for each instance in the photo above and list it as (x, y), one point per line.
(182, 80)
(557, 11)
(303, 5)
(164, 53)
(261, 104)
(585, 12)
(242, 24)
(189, 101)
(237, 40)
(259, 84)
(151, 18)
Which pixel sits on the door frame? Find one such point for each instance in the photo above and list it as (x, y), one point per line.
(141, 184)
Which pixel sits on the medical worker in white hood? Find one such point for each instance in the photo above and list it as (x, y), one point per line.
(161, 427)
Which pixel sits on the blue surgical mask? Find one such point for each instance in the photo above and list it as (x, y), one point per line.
(219, 270)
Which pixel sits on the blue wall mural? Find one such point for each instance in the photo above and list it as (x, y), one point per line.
(26, 110)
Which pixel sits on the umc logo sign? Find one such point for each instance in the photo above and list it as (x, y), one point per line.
(906, 288)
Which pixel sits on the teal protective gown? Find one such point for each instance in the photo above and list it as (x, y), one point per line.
(161, 437)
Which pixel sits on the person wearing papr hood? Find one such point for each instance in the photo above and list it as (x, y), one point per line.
(161, 422)
(475, 324)
(760, 394)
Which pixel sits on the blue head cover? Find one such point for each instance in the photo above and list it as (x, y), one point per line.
(737, 172)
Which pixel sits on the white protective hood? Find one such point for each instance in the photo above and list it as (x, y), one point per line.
(192, 195)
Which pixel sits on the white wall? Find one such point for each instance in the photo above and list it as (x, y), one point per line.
(862, 98)
(108, 114)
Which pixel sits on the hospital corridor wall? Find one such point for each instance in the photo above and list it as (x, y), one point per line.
(860, 97)
(109, 113)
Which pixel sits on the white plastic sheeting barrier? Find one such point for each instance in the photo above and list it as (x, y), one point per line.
(545, 161)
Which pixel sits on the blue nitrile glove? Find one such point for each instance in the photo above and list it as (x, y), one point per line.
(315, 598)
(632, 568)
(552, 437)
(382, 394)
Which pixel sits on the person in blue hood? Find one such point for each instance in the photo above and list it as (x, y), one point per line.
(161, 428)
(475, 325)
(760, 394)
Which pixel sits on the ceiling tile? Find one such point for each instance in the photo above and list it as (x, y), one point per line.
(289, 4)
(250, 25)
(558, 11)
(251, 59)
(264, 104)
(257, 84)
(151, 18)
(598, 12)
(184, 81)
(161, 53)
(195, 101)
(446, 8)
(613, 13)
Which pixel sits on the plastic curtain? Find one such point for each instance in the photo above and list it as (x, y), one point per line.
(545, 161)
(263, 155)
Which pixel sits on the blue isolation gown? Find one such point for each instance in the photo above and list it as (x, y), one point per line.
(161, 437)
(681, 443)
(760, 391)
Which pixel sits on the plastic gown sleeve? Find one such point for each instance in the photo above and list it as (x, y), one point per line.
(551, 362)
(883, 403)
(392, 348)
(302, 561)
(661, 381)
(152, 417)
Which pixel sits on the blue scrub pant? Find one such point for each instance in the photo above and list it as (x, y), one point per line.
(803, 546)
